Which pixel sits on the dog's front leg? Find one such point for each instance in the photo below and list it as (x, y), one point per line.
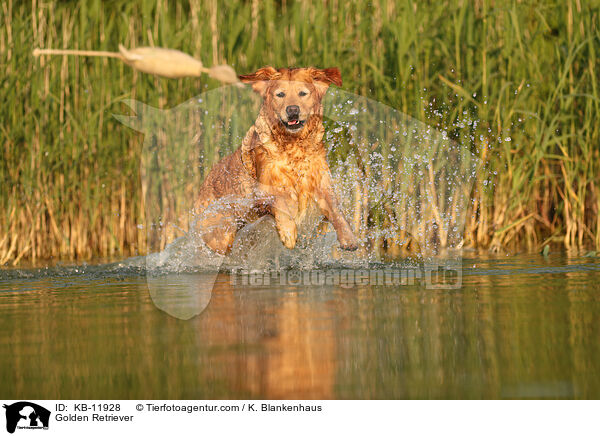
(327, 201)
(216, 224)
(284, 210)
(218, 233)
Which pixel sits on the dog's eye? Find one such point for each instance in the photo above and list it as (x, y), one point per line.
(302, 93)
(280, 94)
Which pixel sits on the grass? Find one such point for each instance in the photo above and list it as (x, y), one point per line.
(526, 71)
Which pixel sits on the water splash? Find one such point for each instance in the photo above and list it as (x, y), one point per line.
(402, 184)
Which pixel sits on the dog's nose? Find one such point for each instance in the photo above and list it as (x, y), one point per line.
(292, 111)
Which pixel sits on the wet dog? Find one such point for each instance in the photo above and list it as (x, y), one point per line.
(280, 168)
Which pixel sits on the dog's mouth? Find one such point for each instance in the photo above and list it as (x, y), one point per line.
(293, 124)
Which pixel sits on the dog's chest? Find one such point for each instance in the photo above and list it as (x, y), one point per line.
(293, 172)
(302, 172)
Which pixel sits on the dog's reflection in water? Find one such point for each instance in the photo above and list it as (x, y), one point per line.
(276, 343)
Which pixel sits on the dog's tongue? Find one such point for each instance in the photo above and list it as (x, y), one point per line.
(292, 121)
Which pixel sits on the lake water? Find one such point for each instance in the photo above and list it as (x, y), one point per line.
(521, 326)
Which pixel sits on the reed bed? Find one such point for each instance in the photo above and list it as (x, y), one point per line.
(516, 81)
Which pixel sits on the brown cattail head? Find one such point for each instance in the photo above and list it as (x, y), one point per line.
(165, 62)
(225, 74)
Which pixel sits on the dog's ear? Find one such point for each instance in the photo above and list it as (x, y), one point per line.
(322, 78)
(327, 75)
(260, 79)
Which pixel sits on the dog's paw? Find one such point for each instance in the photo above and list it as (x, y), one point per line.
(288, 242)
(288, 238)
(349, 243)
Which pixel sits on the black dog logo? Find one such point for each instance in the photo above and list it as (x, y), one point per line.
(26, 415)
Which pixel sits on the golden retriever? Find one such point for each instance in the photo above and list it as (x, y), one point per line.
(281, 166)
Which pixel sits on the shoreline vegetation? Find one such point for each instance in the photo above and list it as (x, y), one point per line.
(517, 81)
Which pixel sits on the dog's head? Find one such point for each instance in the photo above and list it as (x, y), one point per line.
(292, 96)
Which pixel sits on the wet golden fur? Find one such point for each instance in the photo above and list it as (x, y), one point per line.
(281, 166)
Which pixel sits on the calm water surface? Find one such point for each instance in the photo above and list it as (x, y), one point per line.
(520, 327)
